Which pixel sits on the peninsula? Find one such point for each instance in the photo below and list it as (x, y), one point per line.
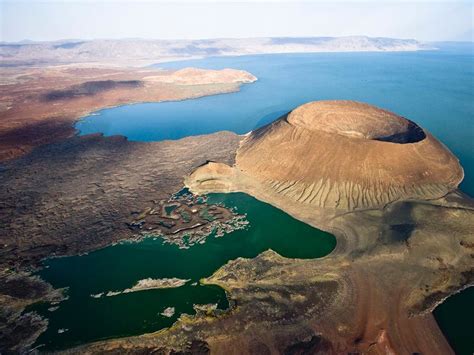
(40, 105)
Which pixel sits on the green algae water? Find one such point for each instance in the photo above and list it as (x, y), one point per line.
(84, 318)
(454, 317)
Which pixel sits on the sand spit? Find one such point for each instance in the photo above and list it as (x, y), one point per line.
(197, 76)
(145, 285)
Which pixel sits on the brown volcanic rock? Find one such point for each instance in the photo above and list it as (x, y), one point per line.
(344, 155)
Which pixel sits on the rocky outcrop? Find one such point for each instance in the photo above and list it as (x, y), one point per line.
(79, 195)
(72, 197)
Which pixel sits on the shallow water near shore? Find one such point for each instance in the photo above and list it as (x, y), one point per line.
(84, 318)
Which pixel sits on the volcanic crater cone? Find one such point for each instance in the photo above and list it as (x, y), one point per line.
(338, 154)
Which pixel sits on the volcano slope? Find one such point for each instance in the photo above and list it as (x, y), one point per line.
(387, 190)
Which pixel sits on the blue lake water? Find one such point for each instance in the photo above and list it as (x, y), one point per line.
(433, 88)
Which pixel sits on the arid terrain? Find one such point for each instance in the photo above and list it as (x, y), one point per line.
(387, 190)
(384, 186)
(79, 195)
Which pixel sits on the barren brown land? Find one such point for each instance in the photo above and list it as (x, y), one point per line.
(40, 105)
(385, 187)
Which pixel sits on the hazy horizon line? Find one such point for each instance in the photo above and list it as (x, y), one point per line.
(216, 38)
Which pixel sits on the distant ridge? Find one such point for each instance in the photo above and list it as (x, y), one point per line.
(142, 51)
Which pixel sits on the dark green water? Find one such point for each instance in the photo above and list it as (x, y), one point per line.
(121, 266)
(455, 317)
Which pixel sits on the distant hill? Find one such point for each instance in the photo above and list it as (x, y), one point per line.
(140, 52)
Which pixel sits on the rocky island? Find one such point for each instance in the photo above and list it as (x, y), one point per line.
(385, 187)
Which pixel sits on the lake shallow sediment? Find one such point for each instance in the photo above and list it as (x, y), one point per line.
(89, 314)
